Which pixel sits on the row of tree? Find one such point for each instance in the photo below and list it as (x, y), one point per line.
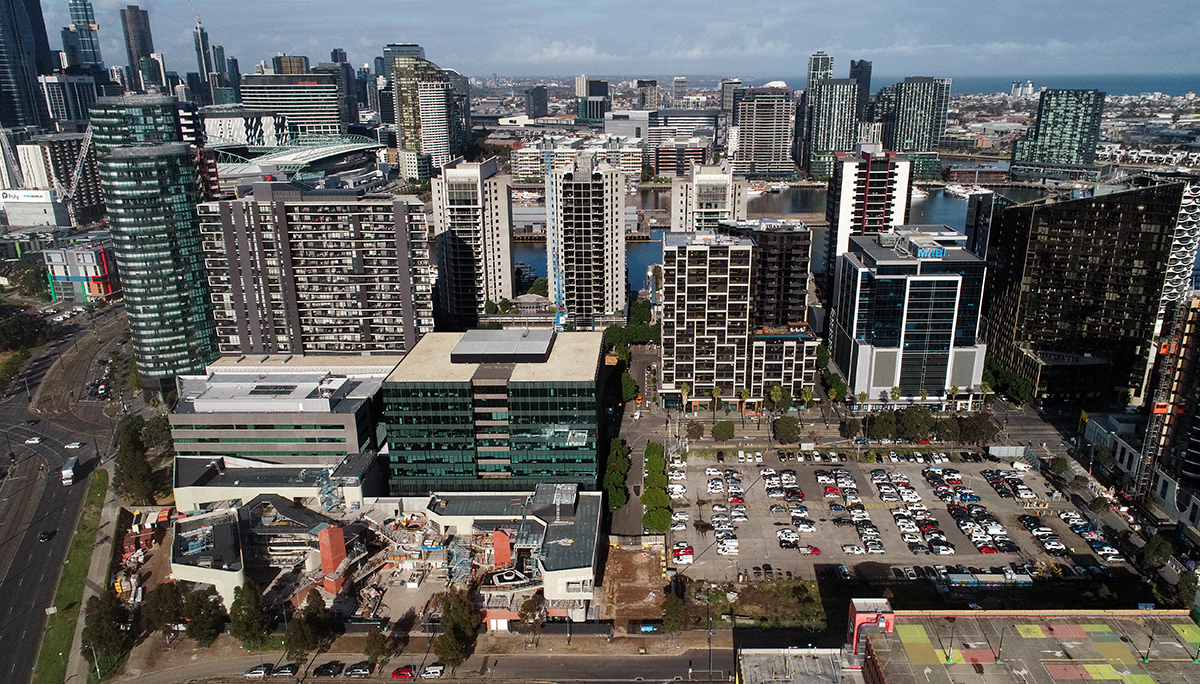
(657, 503)
(134, 476)
(616, 473)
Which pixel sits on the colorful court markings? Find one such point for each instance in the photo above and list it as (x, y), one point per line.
(1190, 633)
(912, 633)
(1116, 651)
(1096, 628)
(1105, 671)
(1031, 631)
(1067, 632)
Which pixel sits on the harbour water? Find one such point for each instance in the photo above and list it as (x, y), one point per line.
(937, 208)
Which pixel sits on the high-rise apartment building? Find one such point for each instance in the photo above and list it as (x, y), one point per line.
(762, 144)
(913, 113)
(906, 315)
(679, 88)
(425, 118)
(860, 71)
(203, 54)
(731, 95)
(1172, 444)
(472, 205)
(780, 275)
(81, 39)
(295, 270)
(1066, 130)
(581, 85)
(393, 50)
(68, 97)
(85, 270)
(139, 43)
(647, 94)
(21, 60)
(707, 197)
(48, 162)
(832, 124)
(820, 68)
(494, 410)
(585, 233)
(868, 193)
(1077, 288)
(312, 103)
(134, 120)
(151, 193)
(537, 103)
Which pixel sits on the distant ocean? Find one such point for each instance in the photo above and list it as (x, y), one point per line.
(1169, 84)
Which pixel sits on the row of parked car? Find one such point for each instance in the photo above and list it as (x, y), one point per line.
(921, 531)
(1094, 538)
(984, 529)
(1008, 484)
(335, 668)
(894, 487)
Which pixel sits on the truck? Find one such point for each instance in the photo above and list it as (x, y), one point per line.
(68, 471)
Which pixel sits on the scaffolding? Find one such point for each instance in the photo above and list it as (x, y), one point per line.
(460, 561)
(329, 493)
(1169, 350)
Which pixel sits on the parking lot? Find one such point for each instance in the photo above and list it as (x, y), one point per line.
(878, 554)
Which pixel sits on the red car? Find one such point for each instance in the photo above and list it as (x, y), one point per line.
(736, 500)
(809, 551)
(405, 672)
(987, 549)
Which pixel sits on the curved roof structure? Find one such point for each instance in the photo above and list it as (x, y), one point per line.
(303, 150)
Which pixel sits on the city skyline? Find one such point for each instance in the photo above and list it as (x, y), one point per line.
(550, 40)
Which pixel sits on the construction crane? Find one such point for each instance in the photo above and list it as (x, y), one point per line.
(10, 159)
(193, 11)
(1160, 398)
(69, 195)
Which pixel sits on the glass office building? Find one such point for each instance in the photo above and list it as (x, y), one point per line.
(494, 410)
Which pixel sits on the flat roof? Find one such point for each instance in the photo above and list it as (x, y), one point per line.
(574, 357)
(209, 541)
(573, 545)
(359, 365)
(499, 505)
(196, 472)
(503, 346)
(1039, 647)
(704, 238)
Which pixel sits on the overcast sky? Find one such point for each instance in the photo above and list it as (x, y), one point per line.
(726, 38)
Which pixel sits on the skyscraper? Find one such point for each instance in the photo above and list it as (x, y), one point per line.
(68, 96)
(203, 55)
(780, 277)
(1066, 130)
(537, 103)
(820, 68)
(393, 50)
(766, 124)
(134, 120)
(21, 60)
(139, 43)
(291, 65)
(868, 193)
(471, 226)
(151, 193)
(832, 123)
(313, 103)
(585, 202)
(295, 270)
(860, 70)
(337, 56)
(1077, 288)
(678, 91)
(647, 94)
(913, 113)
(424, 110)
(219, 65)
(83, 37)
(731, 90)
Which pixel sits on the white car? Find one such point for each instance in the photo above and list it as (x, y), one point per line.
(673, 475)
(713, 472)
(678, 526)
(720, 508)
(433, 672)
(853, 550)
(74, 445)
(679, 516)
(34, 440)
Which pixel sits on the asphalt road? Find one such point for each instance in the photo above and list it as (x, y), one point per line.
(542, 667)
(33, 498)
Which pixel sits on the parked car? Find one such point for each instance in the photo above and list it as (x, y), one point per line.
(258, 672)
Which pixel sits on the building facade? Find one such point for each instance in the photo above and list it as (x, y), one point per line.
(48, 162)
(868, 193)
(294, 270)
(494, 410)
(832, 124)
(585, 234)
(311, 102)
(706, 197)
(68, 98)
(472, 209)
(647, 97)
(83, 37)
(762, 145)
(782, 256)
(906, 315)
(1066, 131)
(424, 106)
(151, 194)
(537, 104)
(139, 43)
(83, 271)
(913, 113)
(134, 120)
(21, 60)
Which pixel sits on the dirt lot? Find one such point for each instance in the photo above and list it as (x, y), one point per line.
(633, 586)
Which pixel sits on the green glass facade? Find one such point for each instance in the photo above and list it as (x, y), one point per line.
(151, 193)
(490, 435)
(134, 119)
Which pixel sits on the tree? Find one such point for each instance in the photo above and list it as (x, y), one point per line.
(653, 497)
(134, 477)
(647, 173)
(685, 390)
(1185, 589)
(629, 388)
(1104, 456)
(204, 618)
(947, 429)
(694, 430)
(460, 624)
(715, 393)
(862, 397)
(376, 648)
(162, 609)
(129, 434)
(673, 612)
(924, 395)
(884, 426)
(1156, 553)
(30, 280)
(744, 394)
(657, 520)
(806, 396)
(1058, 466)
(1079, 482)
(822, 357)
(1098, 505)
(300, 640)
(851, 428)
(540, 286)
(978, 429)
(894, 394)
(953, 392)
(102, 620)
(248, 619)
(505, 305)
(787, 430)
(135, 375)
(915, 422)
(318, 617)
(157, 431)
(22, 330)
(722, 431)
(532, 614)
(985, 389)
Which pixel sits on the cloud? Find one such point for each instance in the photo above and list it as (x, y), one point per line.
(556, 53)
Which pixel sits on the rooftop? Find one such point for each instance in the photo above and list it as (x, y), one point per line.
(572, 357)
(503, 346)
(200, 472)
(913, 243)
(356, 366)
(292, 392)
(1038, 647)
(703, 238)
(151, 150)
(208, 541)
